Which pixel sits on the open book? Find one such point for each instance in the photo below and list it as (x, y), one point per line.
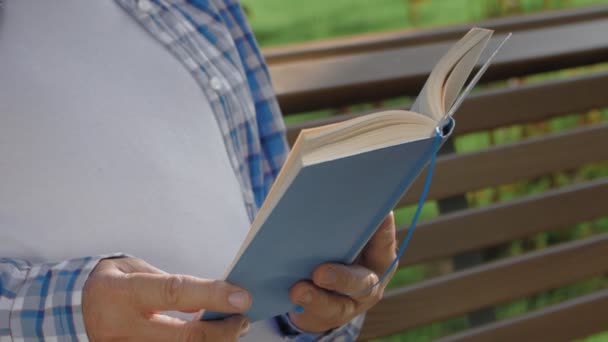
(341, 180)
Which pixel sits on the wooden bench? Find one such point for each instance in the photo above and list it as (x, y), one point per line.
(341, 73)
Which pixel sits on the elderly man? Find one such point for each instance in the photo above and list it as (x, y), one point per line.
(140, 117)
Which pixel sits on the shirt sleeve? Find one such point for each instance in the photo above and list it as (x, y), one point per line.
(347, 333)
(43, 301)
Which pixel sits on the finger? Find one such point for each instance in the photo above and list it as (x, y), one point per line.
(322, 306)
(351, 280)
(166, 292)
(165, 328)
(124, 265)
(381, 249)
(135, 265)
(160, 328)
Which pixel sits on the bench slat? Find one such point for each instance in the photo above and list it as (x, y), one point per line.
(473, 229)
(508, 106)
(489, 284)
(344, 80)
(390, 40)
(458, 173)
(565, 322)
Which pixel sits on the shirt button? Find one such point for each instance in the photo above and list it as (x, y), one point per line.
(215, 83)
(144, 5)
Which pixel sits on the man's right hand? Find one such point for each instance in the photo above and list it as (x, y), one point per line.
(122, 299)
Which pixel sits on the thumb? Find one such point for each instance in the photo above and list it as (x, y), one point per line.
(168, 292)
(381, 250)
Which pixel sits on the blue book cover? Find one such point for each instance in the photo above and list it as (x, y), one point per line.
(328, 213)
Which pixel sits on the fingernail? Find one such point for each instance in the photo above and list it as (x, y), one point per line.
(245, 327)
(305, 298)
(329, 277)
(238, 299)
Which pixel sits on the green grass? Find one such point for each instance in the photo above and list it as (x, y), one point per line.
(278, 22)
(597, 338)
(288, 21)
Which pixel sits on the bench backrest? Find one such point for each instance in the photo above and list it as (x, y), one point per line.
(378, 67)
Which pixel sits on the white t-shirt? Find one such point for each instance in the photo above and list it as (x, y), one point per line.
(107, 144)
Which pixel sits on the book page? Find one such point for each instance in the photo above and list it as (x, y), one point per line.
(430, 100)
(460, 74)
(454, 107)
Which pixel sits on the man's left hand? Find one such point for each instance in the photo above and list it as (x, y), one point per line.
(324, 310)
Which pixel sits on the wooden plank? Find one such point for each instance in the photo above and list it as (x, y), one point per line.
(565, 322)
(473, 229)
(532, 102)
(401, 38)
(336, 81)
(493, 283)
(459, 173)
(508, 106)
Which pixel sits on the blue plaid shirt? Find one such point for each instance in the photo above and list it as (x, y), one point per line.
(214, 42)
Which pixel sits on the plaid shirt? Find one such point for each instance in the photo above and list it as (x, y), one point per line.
(213, 41)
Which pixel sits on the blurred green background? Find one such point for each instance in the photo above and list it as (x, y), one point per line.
(280, 22)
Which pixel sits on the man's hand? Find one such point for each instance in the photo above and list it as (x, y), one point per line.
(322, 309)
(123, 297)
